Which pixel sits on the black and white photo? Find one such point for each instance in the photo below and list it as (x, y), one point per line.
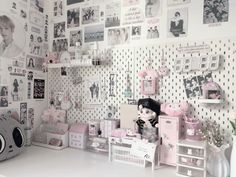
(113, 11)
(59, 30)
(215, 11)
(153, 31)
(73, 18)
(37, 5)
(30, 75)
(3, 96)
(36, 45)
(152, 8)
(39, 88)
(136, 30)
(60, 45)
(94, 33)
(193, 85)
(58, 8)
(34, 63)
(76, 38)
(177, 22)
(118, 36)
(90, 15)
(11, 44)
(17, 88)
(29, 90)
(63, 71)
(112, 85)
(92, 90)
(23, 113)
(69, 2)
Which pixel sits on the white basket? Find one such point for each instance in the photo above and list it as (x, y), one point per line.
(122, 154)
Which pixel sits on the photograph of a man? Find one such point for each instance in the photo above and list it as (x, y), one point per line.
(8, 48)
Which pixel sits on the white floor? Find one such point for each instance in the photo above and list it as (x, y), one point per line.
(41, 162)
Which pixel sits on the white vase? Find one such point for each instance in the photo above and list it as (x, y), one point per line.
(218, 165)
(233, 158)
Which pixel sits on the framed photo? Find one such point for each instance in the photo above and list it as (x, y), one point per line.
(213, 94)
(148, 86)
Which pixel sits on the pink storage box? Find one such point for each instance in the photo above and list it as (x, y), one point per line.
(78, 135)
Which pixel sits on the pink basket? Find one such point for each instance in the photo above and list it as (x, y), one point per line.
(192, 130)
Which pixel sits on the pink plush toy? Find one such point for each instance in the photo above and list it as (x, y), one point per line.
(175, 109)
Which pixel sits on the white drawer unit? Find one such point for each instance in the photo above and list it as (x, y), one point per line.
(191, 158)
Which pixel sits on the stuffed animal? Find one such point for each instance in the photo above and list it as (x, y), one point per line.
(175, 109)
(148, 112)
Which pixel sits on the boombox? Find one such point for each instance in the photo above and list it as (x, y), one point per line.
(12, 138)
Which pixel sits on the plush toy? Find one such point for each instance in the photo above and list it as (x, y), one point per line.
(148, 112)
(175, 109)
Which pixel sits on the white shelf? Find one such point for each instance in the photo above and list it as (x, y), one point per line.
(191, 156)
(192, 167)
(59, 65)
(210, 101)
(192, 144)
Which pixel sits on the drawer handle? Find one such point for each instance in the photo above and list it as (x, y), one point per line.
(168, 122)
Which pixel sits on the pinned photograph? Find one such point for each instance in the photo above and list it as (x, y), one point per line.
(69, 2)
(59, 30)
(30, 120)
(36, 45)
(34, 63)
(117, 36)
(17, 89)
(30, 75)
(3, 96)
(39, 88)
(29, 91)
(152, 8)
(76, 38)
(58, 8)
(73, 18)
(136, 30)
(37, 5)
(153, 31)
(23, 113)
(177, 22)
(94, 33)
(90, 15)
(36, 18)
(92, 90)
(112, 12)
(215, 11)
(60, 45)
(11, 44)
(63, 71)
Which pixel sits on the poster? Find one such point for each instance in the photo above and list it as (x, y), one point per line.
(29, 91)
(11, 24)
(59, 30)
(73, 18)
(113, 11)
(193, 85)
(153, 27)
(39, 88)
(152, 8)
(177, 22)
(112, 85)
(30, 120)
(215, 11)
(58, 8)
(23, 113)
(37, 5)
(94, 33)
(17, 88)
(117, 36)
(34, 63)
(17, 67)
(177, 2)
(60, 45)
(90, 15)
(136, 32)
(133, 15)
(92, 90)
(76, 38)
(3, 96)
(36, 45)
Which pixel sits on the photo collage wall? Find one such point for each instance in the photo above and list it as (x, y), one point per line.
(126, 21)
(22, 52)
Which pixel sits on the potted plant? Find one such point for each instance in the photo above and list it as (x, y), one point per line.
(233, 153)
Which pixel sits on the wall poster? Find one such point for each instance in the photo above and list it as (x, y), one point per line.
(39, 88)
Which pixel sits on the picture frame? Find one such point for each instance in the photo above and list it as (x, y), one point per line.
(148, 86)
(213, 94)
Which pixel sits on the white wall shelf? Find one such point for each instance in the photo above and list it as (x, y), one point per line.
(210, 101)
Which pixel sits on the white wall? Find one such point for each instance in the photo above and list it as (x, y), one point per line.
(21, 37)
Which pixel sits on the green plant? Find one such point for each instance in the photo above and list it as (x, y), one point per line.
(233, 124)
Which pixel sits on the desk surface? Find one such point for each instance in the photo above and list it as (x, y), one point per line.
(42, 162)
